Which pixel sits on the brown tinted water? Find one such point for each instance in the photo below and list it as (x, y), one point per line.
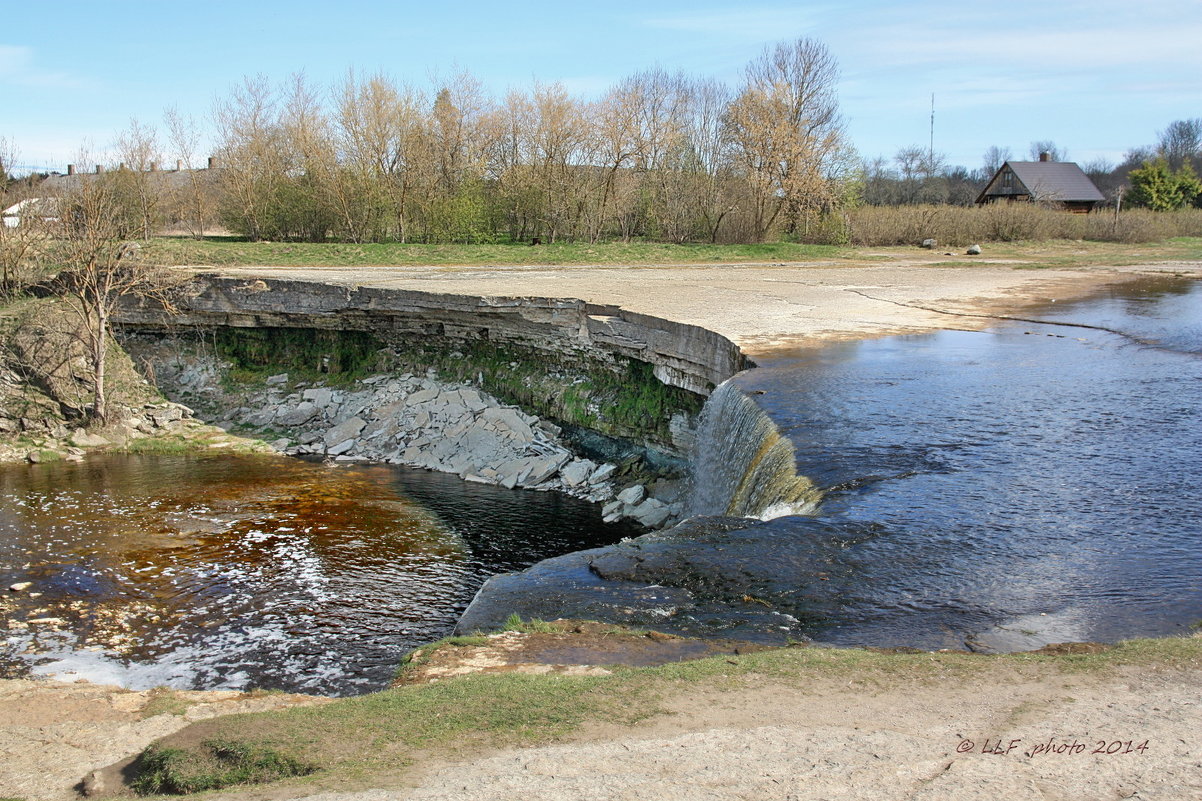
(234, 571)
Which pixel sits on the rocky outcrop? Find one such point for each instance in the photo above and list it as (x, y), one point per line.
(411, 420)
(681, 355)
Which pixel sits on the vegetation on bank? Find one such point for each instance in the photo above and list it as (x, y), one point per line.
(378, 732)
(1028, 226)
(620, 399)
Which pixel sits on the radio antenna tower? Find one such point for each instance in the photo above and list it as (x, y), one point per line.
(931, 152)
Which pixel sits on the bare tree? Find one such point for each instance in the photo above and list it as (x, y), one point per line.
(1181, 142)
(786, 128)
(138, 149)
(993, 159)
(192, 198)
(100, 268)
(1055, 153)
(23, 238)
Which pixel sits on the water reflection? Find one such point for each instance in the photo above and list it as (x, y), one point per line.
(1035, 482)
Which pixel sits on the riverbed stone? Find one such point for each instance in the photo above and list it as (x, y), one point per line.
(577, 472)
(650, 513)
(303, 413)
(508, 419)
(348, 429)
(319, 396)
(81, 438)
(277, 380)
(633, 495)
(602, 473)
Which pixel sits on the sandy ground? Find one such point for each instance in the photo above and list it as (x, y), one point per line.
(1012, 736)
(839, 739)
(52, 734)
(763, 307)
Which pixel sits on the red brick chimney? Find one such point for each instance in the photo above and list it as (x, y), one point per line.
(1045, 156)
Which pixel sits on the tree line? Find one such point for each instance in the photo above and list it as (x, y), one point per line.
(660, 155)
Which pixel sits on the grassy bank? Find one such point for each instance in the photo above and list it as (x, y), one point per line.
(234, 252)
(903, 232)
(352, 740)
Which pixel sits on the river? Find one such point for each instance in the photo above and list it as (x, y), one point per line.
(995, 490)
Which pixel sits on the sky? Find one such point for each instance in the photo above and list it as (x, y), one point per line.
(1097, 77)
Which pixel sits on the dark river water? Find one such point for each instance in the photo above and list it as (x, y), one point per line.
(1007, 488)
(236, 572)
(998, 489)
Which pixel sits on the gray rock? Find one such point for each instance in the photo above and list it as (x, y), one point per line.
(302, 414)
(974, 250)
(510, 420)
(319, 396)
(650, 513)
(345, 430)
(342, 447)
(612, 511)
(277, 380)
(577, 472)
(538, 469)
(929, 244)
(602, 473)
(422, 396)
(633, 495)
(80, 438)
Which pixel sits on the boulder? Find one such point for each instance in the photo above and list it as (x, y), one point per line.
(602, 473)
(348, 429)
(303, 413)
(577, 472)
(277, 380)
(80, 438)
(342, 447)
(510, 420)
(650, 513)
(974, 250)
(633, 495)
(929, 244)
(320, 396)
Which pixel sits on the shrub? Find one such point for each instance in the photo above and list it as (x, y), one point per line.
(876, 226)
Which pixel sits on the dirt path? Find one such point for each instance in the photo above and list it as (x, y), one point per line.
(1037, 735)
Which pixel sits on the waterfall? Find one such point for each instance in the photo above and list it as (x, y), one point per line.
(742, 465)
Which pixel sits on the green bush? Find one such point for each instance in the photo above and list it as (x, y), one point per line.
(216, 764)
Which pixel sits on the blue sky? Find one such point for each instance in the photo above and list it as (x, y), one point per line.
(1095, 76)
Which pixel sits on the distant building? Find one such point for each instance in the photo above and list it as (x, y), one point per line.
(44, 209)
(1045, 181)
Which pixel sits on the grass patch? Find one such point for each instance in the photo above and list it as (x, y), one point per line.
(378, 731)
(163, 701)
(216, 764)
(235, 252)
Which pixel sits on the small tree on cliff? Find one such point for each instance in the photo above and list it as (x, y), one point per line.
(100, 267)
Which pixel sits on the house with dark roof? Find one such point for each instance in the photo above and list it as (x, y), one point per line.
(1045, 181)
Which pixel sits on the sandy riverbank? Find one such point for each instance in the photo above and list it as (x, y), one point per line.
(840, 738)
(763, 307)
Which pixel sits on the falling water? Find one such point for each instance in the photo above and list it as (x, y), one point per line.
(742, 465)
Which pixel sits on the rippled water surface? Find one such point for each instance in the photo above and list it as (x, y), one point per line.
(241, 572)
(1007, 488)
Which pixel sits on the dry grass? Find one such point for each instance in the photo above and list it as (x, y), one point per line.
(876, 226)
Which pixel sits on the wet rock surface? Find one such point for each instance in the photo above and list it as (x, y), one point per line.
(706, 576)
